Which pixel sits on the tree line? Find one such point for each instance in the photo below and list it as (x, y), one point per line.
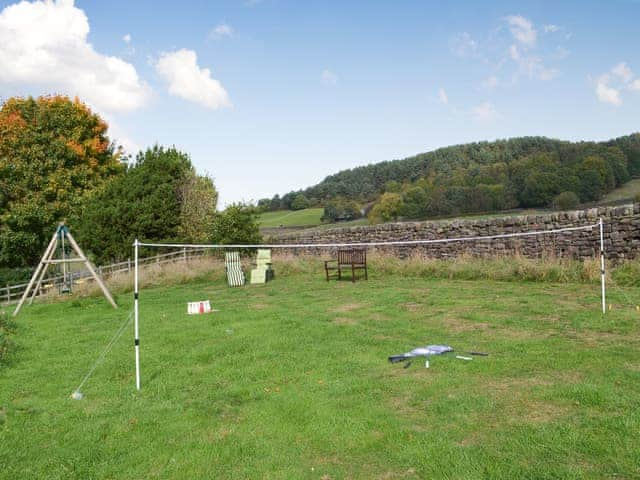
(58, 164)
(484, 176)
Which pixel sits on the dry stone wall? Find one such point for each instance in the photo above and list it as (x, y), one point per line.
(621, 235)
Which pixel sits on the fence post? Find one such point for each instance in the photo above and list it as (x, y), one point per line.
(184, 254)
(8, 295)
(128, 264)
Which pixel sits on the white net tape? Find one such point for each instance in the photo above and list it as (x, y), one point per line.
(374, 244)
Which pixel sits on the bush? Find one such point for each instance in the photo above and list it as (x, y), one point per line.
(160, 198)
(237, 224)
(566, 201)
(300, 202)
(387, 209)
(15, 275)
(341, 209)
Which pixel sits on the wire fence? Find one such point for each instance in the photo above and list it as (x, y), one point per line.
(11, 294)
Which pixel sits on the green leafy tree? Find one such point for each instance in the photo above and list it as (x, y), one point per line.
(387, 209)
(566, 201)
(300, 202)
(415, 203)
(237, 224)
(593, 178)
(150, 202)
(198, 199)
(53, 152)
(341, 209)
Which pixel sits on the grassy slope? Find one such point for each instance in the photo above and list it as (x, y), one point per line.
(626, 192)
(290, 380)
(298, 218)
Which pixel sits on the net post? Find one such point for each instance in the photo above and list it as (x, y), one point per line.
(602, 272)
(136, 314)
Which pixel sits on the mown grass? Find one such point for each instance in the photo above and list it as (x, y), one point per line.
(7, 329)
(290, 380)
(298, 218)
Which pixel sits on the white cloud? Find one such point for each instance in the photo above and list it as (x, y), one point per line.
(127, 38)
(561, 53)
(328, 77)
(442, 96)
(606, 93)
(485, 112)
(222, 30)
(522, 30)
(463, 45)
(120, 136)
(513, 52)
(187, 80)
(610, 85)
(623, 72)
(44, 44)
(491, 82)
(531, 65)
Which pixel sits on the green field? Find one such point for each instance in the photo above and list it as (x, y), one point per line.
(308, 217)
(291, 380)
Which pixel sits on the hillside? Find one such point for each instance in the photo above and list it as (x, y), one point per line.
(526, 172)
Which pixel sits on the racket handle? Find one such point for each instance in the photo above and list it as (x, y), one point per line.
(397, 358)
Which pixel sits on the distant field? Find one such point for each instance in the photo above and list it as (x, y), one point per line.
(308, 217)
(625, 192)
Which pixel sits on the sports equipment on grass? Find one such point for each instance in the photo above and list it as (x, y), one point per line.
(426, 352)
(429, 351)
(61, 234)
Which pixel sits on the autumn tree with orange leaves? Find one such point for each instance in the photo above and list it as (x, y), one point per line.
(53, 151)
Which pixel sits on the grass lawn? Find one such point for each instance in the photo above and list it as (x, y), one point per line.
(291, 380)
(299, 218)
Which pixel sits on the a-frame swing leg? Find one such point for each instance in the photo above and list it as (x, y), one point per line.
(44, 272)
(47, 253)
(87, 263)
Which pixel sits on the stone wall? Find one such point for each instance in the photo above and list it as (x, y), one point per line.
(621, 234)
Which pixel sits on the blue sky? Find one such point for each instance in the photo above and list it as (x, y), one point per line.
(269, 96)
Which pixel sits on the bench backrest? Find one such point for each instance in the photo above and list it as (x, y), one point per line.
(356, 256)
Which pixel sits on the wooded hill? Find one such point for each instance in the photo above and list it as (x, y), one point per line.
(484, 176)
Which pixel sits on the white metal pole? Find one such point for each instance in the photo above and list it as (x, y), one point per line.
(602, 273)
(135, 310)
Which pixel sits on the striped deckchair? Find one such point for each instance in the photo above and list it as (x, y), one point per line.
(233, 267)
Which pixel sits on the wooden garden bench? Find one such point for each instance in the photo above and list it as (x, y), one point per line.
(347, 259)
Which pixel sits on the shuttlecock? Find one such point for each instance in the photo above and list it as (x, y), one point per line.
(77, 395)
